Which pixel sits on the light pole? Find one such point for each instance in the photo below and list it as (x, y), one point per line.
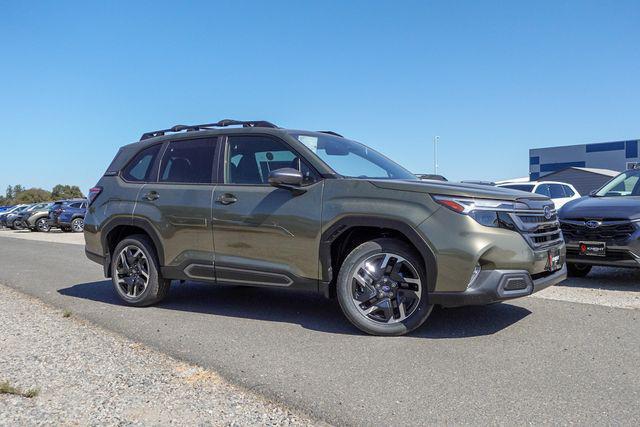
(436, 139)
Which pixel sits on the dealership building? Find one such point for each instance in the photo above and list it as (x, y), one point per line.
(614, 156)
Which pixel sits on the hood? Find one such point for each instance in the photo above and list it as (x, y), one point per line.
(458, 189)
(622, 207)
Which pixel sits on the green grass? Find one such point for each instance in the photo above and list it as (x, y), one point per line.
(6, 388)
(66, 313)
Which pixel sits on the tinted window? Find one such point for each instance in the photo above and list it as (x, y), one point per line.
(568, 192)
(521, 187)
(189, 161)
(140, 166)
(544, 190)
(556, 191)
(250, 160)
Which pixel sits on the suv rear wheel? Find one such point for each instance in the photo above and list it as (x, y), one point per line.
(135, 272)
(382, 288)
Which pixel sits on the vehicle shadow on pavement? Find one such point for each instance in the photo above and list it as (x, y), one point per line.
(607, 278)
(308, 310)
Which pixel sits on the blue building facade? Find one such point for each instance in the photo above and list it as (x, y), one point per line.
(616, 155)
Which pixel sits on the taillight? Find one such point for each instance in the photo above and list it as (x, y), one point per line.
(93, 193)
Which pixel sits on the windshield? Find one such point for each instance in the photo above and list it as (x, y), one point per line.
(521, 187)
(625, 184)
(352, 159)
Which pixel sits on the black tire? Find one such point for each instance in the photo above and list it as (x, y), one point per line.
(17, 225)
(43, 225)
(157, 287)
(345, 288)
(77, 225)
(578, 270)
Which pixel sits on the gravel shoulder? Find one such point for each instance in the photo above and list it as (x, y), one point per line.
(89, 376)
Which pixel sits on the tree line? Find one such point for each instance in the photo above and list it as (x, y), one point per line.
(17, 194)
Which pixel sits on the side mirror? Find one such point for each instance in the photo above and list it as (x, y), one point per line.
(288, 178)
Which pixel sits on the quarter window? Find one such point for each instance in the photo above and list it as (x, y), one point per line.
(139, 168)
(249, 160)
(188, 161)
(568, 191)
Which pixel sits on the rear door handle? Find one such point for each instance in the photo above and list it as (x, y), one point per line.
(151, 196)
(227, 199)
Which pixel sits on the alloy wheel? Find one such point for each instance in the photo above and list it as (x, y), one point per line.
(77, 225)
(43, 225)
(132, 270)
(386, 288)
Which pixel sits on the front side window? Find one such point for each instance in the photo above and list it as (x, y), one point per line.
(139, 168)
(544, 190)
(250, 160)
(625, 184)
(568, 191)
(352, 159)
(188, 161)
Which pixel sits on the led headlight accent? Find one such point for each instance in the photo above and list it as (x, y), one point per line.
(488, 212)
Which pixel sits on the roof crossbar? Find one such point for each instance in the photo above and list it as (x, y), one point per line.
(221, 123)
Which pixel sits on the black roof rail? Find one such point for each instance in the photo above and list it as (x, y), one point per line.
(221, 123)
(330, 132)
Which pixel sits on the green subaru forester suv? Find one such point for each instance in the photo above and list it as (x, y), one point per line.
(249, 203)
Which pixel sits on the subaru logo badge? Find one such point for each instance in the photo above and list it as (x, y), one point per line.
(592, 224)
(547, 212)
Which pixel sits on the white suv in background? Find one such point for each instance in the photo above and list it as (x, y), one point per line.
(559, 192)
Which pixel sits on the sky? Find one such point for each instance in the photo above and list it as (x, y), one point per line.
(491, 79)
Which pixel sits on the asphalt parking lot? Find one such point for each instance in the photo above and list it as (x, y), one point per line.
(569, 355)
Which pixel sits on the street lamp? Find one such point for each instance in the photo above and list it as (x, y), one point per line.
(435, 154)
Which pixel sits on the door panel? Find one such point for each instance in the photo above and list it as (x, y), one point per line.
(267, 230)
(265, 235)
(179, 207)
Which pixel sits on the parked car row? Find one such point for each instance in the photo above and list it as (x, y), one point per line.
(67, 215)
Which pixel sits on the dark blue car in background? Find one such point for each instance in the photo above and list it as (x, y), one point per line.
(68, 215)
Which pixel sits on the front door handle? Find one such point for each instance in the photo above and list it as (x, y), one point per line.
(227, 199)
(151, 196)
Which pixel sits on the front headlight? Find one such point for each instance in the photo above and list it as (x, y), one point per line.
(488, 212)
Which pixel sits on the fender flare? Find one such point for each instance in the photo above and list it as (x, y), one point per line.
(345, 224)
(134, 222)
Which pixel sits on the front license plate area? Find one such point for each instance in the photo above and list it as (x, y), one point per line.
(598, 249)
(553, 260)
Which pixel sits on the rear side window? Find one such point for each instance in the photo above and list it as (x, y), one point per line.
(139, 168)
(568, 191)
(188, 161)
(556, 191)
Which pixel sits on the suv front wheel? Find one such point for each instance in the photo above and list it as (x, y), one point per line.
(135, 272)
(382, 288)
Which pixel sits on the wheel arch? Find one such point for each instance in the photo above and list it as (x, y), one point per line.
(336, 241)
(118, 228)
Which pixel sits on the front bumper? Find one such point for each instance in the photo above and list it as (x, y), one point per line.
(616, 256)
(499, 285)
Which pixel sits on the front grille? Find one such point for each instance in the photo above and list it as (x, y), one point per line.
(538, 230)
(613, 231)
